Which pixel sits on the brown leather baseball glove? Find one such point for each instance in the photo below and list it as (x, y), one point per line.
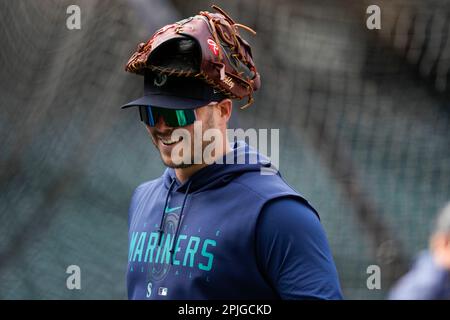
(206, 46)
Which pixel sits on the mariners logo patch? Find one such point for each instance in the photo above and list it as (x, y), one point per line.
(160, 80)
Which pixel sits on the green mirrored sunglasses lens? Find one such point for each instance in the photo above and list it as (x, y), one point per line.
(172, 118)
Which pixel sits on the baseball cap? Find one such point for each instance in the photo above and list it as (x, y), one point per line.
(172, 92)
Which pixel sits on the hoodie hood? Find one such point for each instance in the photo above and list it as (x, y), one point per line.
(244, 159)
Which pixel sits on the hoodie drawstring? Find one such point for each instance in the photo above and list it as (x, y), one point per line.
(161, 224)
(180, 221)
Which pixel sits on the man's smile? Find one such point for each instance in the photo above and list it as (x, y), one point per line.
(168, 141)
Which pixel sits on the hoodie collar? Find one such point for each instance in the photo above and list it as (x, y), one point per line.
(217, 174)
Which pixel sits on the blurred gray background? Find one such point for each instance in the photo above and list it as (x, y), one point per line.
(363, 117)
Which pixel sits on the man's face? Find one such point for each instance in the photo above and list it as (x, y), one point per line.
(210, 116)
(440, 248)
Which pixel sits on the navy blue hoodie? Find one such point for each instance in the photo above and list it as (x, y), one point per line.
(228, 232)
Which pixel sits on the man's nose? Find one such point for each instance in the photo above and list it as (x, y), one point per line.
(160, 124)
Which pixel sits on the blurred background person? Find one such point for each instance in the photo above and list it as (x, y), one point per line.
(429, 278)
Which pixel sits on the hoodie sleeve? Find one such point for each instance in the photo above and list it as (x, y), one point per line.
(293, 252)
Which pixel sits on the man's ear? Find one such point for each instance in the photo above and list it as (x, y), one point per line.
(225, 108)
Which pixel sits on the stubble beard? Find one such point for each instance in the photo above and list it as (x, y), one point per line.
(169, 163)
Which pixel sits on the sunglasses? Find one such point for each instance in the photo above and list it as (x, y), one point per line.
(173, 118)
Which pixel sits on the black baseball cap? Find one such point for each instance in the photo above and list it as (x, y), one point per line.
(172, 92)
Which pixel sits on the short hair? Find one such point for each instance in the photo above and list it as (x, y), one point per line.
(443, 220)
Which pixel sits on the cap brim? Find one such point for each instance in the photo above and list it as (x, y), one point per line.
(169, 102)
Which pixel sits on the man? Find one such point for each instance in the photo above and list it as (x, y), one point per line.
(429, 278)
(213, 226)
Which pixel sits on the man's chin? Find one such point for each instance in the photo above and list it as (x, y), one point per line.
(177, 166)
(168, 162)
